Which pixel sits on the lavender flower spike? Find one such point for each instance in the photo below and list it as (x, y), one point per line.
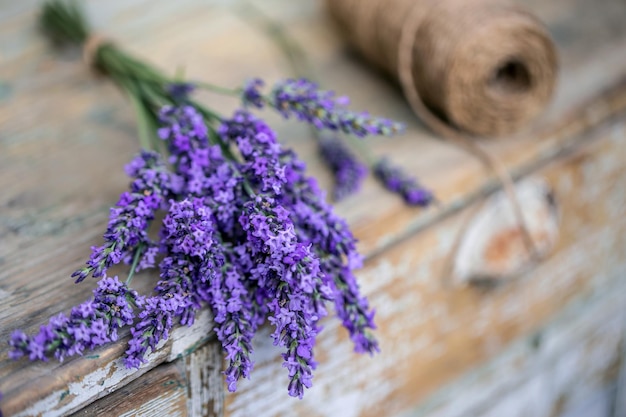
(234, 314)
(348, 172)
(394, 179)
(180, 90)
(304, 100)
(131, 217)
(90, 324)
(290, 275)
(260, 149)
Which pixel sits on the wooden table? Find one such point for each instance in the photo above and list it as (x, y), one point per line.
(547, 343)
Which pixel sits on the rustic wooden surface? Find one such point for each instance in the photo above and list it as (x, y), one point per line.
(566, 368)
(65, 136)
(189, 386)
(162, 391)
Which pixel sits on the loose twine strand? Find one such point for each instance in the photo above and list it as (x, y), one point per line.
(405, 72)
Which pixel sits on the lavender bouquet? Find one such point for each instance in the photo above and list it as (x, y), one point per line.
(245, 231)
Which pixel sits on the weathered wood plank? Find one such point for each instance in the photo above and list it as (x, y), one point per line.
(161, 392)
(191, 385)
(206, 381)
(59, 389)
(556, 370)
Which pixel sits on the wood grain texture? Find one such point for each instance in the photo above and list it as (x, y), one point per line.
(558, 370)
(161, 392)
(65, 136)
(204, 375)
(58, 389)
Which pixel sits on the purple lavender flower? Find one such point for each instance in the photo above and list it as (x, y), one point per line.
(131, 217)
(251, 94)
(290, 275)
(201, 168)
(234, 307)
(157, 319)
(90, 324)
(260, 149)
(304, 100)
(147, 258)
(194, 260)
(394, 179)
(347, 171)
(184, 128)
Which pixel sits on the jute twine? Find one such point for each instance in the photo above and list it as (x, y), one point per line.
(91, 46)
(484, 66)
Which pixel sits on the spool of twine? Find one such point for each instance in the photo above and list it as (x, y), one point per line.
(485, 66)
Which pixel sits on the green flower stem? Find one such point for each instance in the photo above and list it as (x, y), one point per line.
(295, 54)
(133, 267)
(235, 92)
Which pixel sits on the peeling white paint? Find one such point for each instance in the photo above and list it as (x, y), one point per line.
(184, 338)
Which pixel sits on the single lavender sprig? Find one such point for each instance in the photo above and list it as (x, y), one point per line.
(291, 276)
(304, 100)
(90, 324)
(353, 310)
(347, 171)
(131, 217)
(180, 90)
(394, 179)
(234, 309)
(251, 93)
